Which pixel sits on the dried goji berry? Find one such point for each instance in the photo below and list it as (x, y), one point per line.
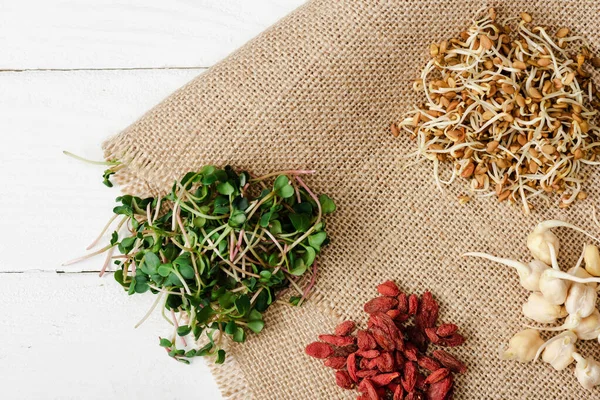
(428, 363)
(366, 373)
(416, 336)
(392, 386)
(380, 304)
(343, 380)
(427, 314)
(456, 339)
(367, 387)
(437, 375)
(403, 303)
(363, 397)
(432, 336)
(368, 363)
(413, 304)
(388, 288)
(393, 314)
(345, 328)
(410, 351)
(365, 340)
(336, 362)
(400, 360)
(446, 330)
(383, 339)
(439, 390)
(409, 380)
(383, 321)
(351, 366)
(398, 393)
(339, 341)
(414, 396)
(400, 345)
(420, 381)
(385, 362)
(368, 353)
(319, 350)
(345, 351)
(449, 361)
(384, 379)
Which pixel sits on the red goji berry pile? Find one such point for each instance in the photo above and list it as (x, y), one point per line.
(388, 359)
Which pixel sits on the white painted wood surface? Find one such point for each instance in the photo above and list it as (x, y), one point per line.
(88, 69)
(66, 34)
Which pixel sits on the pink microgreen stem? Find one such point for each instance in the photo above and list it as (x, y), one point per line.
(232, 245)
(76, 260)
(177, 326)
(313, 279)
(149, 312)
(183, 231)
(291, 172)
(238, 245)
(107, 261)
(270, 235)
(95, 242)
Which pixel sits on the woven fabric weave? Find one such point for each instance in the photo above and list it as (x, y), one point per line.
(319, 90)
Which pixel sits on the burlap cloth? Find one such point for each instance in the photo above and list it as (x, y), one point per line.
(319, 90)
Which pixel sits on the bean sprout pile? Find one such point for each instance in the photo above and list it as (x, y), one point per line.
(512, 109)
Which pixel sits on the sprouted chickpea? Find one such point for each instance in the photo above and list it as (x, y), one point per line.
(541, 310)
(523, 346)
(556, 294)
(544, 244)
(558, 351)
(529, 274)
(592, 260)
(587, 371)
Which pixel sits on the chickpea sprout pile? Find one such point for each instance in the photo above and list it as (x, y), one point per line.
(556, 294)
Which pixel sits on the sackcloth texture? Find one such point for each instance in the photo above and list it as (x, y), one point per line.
(319, 90)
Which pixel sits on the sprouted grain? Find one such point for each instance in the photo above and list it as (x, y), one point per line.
(511, 108)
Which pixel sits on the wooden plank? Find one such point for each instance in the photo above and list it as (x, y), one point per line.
(72, 34)
(51, 206)
(71, 336)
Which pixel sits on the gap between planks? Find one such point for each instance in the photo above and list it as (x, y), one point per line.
(103, 69)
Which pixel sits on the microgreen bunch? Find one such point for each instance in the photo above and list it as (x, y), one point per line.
(217, 251)
(511, 108)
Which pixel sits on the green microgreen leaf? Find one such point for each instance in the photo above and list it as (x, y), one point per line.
(184, 330)
(220, 357)
(164, 270)
(225, 188)
(256, 326)
(327, 205)
(239, 335)
(299, 268)
(151, 263)
(316, 240)
(301, 222)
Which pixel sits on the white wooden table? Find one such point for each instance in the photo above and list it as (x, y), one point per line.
(73, 73)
